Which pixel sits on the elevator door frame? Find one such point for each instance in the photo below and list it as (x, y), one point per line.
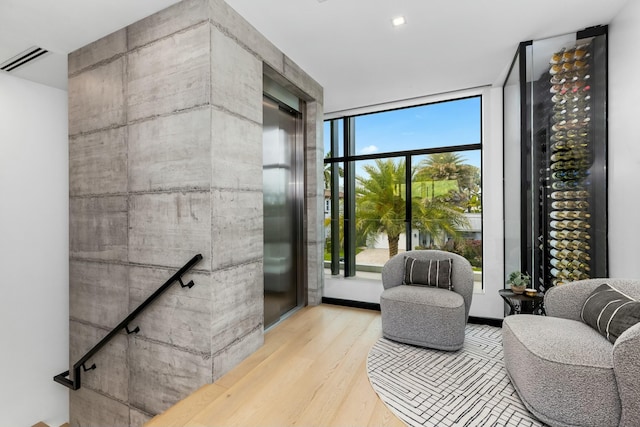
(299, 206)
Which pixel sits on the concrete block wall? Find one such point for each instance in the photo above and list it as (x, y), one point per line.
(165, 154)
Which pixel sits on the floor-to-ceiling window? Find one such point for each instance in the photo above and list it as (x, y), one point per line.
(398, 180)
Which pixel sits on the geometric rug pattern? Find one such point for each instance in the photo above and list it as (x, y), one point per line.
(468, 387)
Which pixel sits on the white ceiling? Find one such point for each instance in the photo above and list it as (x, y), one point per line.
(348, 46)
(62, 26)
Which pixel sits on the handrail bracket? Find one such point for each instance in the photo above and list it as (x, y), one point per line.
(188, 285)
(74, 384)
(134, 331)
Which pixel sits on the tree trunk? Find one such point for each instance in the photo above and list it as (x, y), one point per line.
(393, 245)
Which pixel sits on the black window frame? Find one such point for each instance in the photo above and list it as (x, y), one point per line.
(348, 160)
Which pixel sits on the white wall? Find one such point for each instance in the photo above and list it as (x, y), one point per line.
(34, 296)
(488, 303)
(624, 143)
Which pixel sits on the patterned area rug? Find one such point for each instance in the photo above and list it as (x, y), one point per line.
(469, 387)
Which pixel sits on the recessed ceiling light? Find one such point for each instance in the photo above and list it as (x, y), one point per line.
(399, 20)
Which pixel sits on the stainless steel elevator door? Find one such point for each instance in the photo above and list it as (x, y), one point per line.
(282, 213)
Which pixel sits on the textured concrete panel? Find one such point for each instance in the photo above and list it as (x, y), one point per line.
(315, 299)
(314, 202)
(170, 75)
(236, 77)
(231, 356)
(98, 228)
(171, 152)
(314, 199)
(315, 273)
(314, 150)
(314, 172)
(236, 153)
(138, 418)
(100, 50)
(169, 229)
(98, 292)
(175, 18)
(98, 163)
(88, 408)
(238, 304)
(302, 80)
(190, 91)
(180, 316)
(96, 98)
(162, 375)
(111, 376)
(314, 219)
(232, 23)
(314, 196)
(237, 227)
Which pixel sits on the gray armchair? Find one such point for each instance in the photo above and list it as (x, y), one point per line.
(426, 316)
(565, 372)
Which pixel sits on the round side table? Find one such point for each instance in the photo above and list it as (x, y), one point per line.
(523, 304)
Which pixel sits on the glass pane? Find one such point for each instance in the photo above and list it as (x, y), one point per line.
(512, 170)
(338, 133)
(334, 227)
(446, 199)
(380, 213)
(562, 211)
(442, 124)
(327, 139)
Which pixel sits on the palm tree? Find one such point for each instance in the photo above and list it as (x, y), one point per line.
(327, 172)
(381, 208)
(441, 166)
(451, 166)
(380, 205)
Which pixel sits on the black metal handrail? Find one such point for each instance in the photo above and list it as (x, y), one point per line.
(74, 383)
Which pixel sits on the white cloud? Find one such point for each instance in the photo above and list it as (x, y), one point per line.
(369, 150)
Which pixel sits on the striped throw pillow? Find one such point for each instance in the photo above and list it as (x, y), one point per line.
(610, 311)
(435, 273)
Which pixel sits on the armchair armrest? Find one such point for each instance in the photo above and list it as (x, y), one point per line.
(626, 366)
(566, 301)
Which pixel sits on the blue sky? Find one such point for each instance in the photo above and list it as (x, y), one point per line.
(428, 126)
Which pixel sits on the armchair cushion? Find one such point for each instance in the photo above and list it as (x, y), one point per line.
(610, 312)
(562, 370)
(428, 272)
(424, 316)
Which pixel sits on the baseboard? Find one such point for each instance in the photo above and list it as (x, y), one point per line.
(485, 321)
(376, 307)
(351, 303)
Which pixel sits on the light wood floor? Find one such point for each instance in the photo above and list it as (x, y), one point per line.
(311, 371)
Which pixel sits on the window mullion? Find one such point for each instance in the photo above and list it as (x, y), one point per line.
(408, 211)
(335, 202)
(349, 200)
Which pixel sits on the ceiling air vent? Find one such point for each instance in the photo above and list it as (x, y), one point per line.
(22, 58)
